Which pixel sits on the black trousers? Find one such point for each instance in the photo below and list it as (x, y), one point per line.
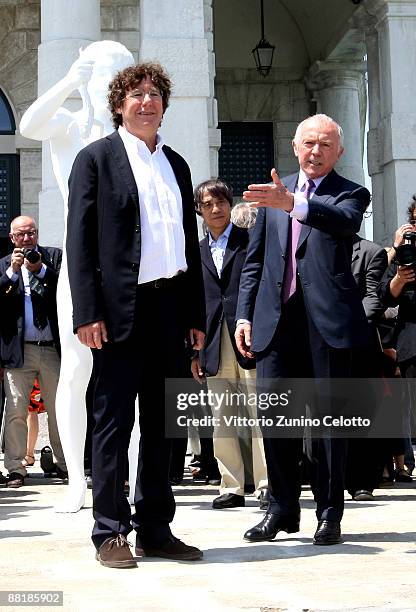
(299, 351)
(124, 370)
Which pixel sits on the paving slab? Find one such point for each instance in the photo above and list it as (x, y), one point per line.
(375, 569)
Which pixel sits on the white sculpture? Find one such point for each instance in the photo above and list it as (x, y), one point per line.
(68, 132)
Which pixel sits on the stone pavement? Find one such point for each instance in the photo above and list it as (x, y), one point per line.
(375, 569)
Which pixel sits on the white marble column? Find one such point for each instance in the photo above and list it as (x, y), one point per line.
(65, 27)
(396, 128)
(173, 33)
(337, 89)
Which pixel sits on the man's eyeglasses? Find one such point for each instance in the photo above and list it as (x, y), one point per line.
(210, 205)
(21, 235)
(140, 95)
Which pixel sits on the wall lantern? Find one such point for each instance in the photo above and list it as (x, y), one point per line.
(263, 51)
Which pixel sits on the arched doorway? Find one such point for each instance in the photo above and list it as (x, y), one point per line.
(9, 175)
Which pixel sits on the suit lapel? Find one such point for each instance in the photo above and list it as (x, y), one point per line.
(206, 257)
(8, 263)
(233, 245)
(356, 247)
(120, 155)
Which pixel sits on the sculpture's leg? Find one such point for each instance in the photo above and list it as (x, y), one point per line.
(71, 414)
(134, 453)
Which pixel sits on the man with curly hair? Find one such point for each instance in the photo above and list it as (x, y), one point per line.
(136, 283)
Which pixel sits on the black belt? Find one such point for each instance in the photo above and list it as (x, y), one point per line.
(160, 283)
(40, 342)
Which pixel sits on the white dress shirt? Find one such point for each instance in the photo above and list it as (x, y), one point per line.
(31, 332)
(218, 248)
(300, 205)
(161, 214)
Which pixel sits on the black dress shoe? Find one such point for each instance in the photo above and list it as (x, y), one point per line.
(15, 480)
(175, 481)
(215, 482)
(264, 499)
(60, 473)
(328, 532)
(271, 525)
(228, 500)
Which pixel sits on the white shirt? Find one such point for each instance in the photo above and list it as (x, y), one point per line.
(31, 332)
(162, 236)
(218, 247)
(300, 206)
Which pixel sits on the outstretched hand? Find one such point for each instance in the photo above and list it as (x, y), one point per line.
(270, 195)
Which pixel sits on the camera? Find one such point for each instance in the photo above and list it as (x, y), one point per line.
(406, 256)
(31, 255)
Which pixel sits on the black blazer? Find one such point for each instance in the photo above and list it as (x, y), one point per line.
(104, 238)
(369, 262)
(221, 296)
(12, 301)
(324, 254)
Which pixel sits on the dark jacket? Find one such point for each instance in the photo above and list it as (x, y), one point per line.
(221, 295)
(104, 239)
(12, 308)
(369, 262)
(405, 329)
(324, 253)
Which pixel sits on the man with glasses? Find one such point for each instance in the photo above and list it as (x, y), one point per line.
(29, 342)
(136, 282)
(223, 252)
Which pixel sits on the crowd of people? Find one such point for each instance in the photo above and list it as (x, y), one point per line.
(281, 287)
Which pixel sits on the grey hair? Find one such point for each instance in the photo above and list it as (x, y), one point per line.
(322, 119)
(243, 215)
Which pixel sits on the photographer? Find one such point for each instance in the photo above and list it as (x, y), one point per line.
(398, 288)
(29, 342)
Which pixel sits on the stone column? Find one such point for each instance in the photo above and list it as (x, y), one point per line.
(337, 89)
(65, 27)
(173, 33)
(214, 134)
(396, 120)
(375, 169)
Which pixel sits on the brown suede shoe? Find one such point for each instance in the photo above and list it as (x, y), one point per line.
(115, 552)
(172, 548)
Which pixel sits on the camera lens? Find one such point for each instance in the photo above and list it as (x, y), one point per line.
(32, 256)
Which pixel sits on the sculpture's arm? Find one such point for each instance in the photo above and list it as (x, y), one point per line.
(42, 120)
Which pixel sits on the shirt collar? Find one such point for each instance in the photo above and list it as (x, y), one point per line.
(127, 136)
(225, 234)
(303, 179)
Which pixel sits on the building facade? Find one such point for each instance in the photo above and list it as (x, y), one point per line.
(344, 58)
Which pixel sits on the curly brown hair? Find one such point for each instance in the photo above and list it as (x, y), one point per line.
(129, 78)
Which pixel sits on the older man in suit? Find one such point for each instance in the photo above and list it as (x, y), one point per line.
(223, 252)
(300, 311)
(136, 282)
(29, 343)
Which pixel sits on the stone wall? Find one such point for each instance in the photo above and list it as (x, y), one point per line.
(19, 40)
(120, 22)
(282, 98)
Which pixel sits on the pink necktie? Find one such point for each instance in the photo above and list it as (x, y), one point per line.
(289, 283)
